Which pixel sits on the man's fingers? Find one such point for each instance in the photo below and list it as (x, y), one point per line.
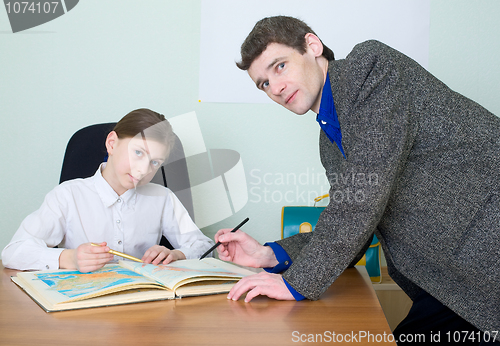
(271, 285)
(256, 291)
(244, 285)
(221, 232)
(239, 289)
(232, 236)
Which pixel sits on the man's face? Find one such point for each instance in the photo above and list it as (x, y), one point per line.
(289, 78)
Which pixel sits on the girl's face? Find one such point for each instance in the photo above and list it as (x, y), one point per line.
(132, 161)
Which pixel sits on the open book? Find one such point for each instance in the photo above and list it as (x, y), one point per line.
(128, 282)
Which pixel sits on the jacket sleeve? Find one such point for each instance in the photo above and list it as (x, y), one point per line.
(374, 113)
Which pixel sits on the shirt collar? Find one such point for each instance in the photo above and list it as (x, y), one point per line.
(327, 106)
(108, 195)
(327, 116)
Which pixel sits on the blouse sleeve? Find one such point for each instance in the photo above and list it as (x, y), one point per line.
(181, 231)
(32, 246)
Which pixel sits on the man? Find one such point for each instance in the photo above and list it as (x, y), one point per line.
(435, 207)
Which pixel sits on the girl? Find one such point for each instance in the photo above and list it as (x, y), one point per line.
(116, 208)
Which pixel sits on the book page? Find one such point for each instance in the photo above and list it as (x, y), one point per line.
(177, 273)
(60, 286)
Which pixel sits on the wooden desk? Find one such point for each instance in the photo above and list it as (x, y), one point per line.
(349, 307)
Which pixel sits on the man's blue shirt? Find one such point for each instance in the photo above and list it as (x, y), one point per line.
(284, 263)
(327, 116)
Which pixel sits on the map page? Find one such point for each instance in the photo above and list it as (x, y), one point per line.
(72, 285)
(178, 273)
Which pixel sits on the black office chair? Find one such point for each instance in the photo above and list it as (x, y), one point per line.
(86, 150)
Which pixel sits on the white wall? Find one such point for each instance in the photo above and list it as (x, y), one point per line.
(105, 58)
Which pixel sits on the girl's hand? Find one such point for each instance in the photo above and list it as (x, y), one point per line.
(85, 258)
(157, 254)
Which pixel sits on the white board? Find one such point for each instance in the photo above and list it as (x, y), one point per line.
(403, 25)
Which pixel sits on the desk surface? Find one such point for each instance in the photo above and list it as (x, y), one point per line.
(349, 308)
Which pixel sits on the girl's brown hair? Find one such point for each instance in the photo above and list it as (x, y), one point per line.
(147, 123)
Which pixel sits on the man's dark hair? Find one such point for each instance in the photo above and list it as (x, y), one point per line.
(280, 29)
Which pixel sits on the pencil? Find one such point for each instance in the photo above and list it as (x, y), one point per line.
(218, 243)
(121, 254)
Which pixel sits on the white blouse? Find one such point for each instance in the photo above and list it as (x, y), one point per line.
(88, 210)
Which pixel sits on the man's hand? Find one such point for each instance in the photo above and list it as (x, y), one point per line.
(266, 284)
(240, 248)
(157, 254)
(85, 258)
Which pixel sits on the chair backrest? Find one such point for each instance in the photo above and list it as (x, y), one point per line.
(86, 150)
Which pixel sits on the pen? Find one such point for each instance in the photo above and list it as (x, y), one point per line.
(121, 254)
(218, 243)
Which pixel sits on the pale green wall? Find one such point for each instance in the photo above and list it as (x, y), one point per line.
(105, 58)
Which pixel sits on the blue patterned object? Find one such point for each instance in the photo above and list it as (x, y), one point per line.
(303, 219)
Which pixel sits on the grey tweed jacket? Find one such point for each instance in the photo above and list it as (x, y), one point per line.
(422, 173)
